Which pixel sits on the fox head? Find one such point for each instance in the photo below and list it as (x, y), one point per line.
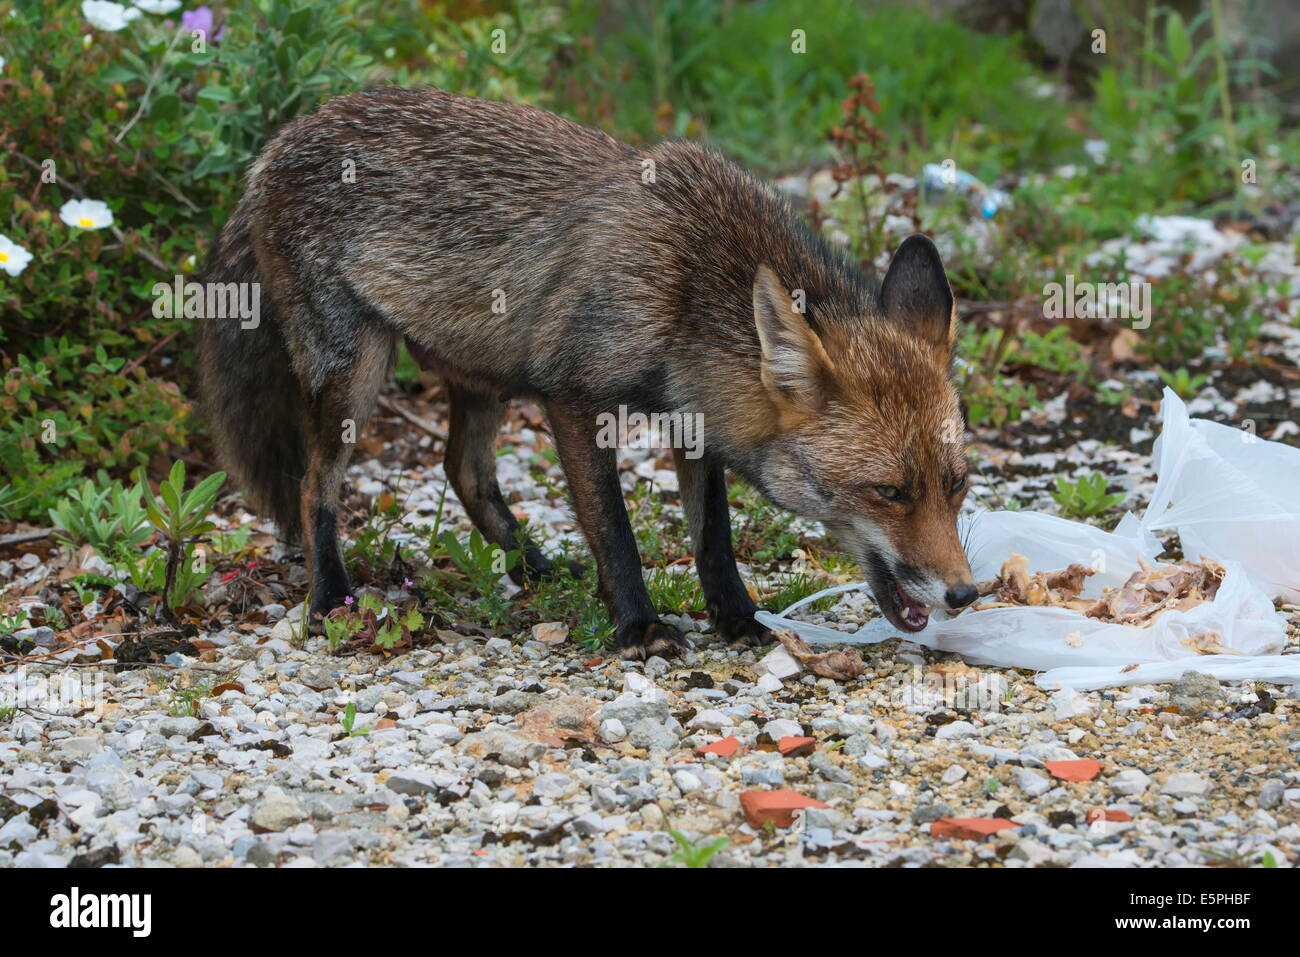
(868, 437)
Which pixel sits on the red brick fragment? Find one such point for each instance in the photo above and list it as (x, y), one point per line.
(1084, 770)
(726, 747)
(793, 746)
(970, 828)
(775, 806)
(1110, 814)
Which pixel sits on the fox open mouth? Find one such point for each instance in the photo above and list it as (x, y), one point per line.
(902, 610)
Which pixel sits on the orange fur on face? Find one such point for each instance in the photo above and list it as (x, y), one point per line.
(892, 419)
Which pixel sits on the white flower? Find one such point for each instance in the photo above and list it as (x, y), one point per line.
(106, 15)
(13, 258)
(157, 6)
(2, 63)
(86, 214)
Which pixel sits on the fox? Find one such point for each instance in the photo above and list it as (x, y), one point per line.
(521, 255)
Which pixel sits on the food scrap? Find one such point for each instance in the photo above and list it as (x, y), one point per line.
(1147, 594)
(1015, 586)
(839, 665)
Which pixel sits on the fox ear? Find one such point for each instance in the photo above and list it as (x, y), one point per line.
(796, 368)
(915, 292)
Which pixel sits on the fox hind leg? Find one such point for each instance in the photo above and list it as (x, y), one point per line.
(471, 467)
(703, 486)
(339, 409)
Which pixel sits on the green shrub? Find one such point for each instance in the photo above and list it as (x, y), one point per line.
(1085, 497)
(160, 131)
(728, 70)
(110, 519)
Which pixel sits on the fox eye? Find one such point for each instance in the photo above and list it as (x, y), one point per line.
(957, 486)
(891, 492)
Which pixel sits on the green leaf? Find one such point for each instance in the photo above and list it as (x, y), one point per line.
(1176, 38)
(165, 108)
(202, 496)
(217, 93)
(156, 517)
(171, 499)
(118, 74)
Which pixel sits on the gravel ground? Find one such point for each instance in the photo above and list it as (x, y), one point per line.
(483, 752)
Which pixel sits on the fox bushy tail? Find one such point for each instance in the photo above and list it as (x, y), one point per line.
(253, 400)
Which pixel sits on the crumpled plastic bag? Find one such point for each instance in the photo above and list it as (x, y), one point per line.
(1229, 495)
(1202, 478)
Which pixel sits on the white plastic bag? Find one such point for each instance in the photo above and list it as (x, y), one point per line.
(1229, 495)
(1085, 653)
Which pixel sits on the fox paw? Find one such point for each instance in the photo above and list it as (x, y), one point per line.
(743, 631)
(324, 599)
(643, 640)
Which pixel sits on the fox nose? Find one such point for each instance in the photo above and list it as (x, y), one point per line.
(961, 596)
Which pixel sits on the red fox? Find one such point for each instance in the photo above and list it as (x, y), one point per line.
(522, 255)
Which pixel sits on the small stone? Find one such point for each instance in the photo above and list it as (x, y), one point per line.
(826, 817)
(762, 777)
(277, 812)
(612, 731)
(955, 730)
(709, 720)
(686, 781)
(1270, 795)
(783, 728)
(1194, 694)
(1031, 852)
(954, 774)
(827, 768)
(42, 636)
(1185, 784)
(630, 708)
(412, 782)
(185, 726)
(928, 813)
(1032, 783)
(636, 683)
(511, 702)
(553, 785)
(513, 750)
(550, 632)
(1131, 782)
(651, 735)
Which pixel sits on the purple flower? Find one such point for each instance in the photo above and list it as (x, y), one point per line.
(407, 583)
(201, 19)
(348, 600)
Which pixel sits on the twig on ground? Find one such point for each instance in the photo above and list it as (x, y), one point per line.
(20, 538)
(390, 406)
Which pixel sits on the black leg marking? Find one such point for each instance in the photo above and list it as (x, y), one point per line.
(704, 498)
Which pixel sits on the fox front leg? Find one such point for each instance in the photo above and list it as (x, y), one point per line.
(592, 474)
(703, 483)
